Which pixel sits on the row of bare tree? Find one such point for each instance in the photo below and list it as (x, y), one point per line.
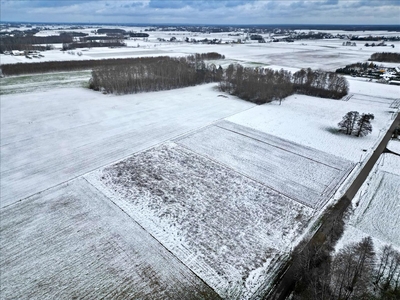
(386, 57)
(61, 66)
(258, 85)
(8, 43)
(262, 85)
(355, 272)
(147, 74)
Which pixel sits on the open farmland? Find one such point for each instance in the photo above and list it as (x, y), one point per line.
(312, 122)
(327, 54)
(181, 194)
(230, 230)
(42, 82)
(53, 136)
(71, 242)
(304, 174)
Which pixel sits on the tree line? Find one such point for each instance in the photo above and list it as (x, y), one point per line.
(60, 66)
(257, 85)
(205, 56)
(385, 57)
(76, 65)
(262, 85)
(147, 74)
(9, 43)
(354, 272)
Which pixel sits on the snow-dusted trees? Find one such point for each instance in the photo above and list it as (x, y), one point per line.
(387, 273)
(320, 83)
(351, 270)
(258, 85)
(353, 123)
(364, 126)
(152, 74)
(355, 272)
(261, 85)
(349, 121)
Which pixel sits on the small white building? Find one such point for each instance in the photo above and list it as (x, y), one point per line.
(17, 52)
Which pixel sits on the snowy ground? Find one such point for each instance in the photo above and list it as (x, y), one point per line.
(326, 54)
(204, 196)
(41, 82)
(71, 242)
(50, 137)
(312, 122)
(230, 234)
(376, 207)
(303, 174)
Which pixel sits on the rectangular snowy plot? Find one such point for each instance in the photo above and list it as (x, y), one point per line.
(301, 173)
(378, 212)
(230, 230)
(53, 136)
(71, 242)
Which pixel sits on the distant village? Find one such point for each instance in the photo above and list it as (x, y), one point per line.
(389, 75)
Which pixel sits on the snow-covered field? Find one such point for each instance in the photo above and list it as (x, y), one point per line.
(50, 137)
(229, 229)
(328, 54)
(312, 122)
(42, 82)
(181, 189)
(303, 174)
(71, 242)
(376, 207)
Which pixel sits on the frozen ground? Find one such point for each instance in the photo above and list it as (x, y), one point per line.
(312, 122)
(50, 137)
(230, 230)
(71, 242)
(304, 174)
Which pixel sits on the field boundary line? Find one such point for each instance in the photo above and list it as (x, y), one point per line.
(264, 142)
(242, 174)
(171, 138)
(144, 229)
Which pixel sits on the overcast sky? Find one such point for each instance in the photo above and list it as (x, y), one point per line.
(204, 11)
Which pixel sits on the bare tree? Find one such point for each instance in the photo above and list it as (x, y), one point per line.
(364, 125)
(348, 122)
(351, 270)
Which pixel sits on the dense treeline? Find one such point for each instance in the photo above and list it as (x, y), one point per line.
(8, 43)
(205, 56)
(262, 85)
(147, 74)
(386, 57)
(258, 85)
(355, 272)
(319, 83)
(92, 44)
(61, 66)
